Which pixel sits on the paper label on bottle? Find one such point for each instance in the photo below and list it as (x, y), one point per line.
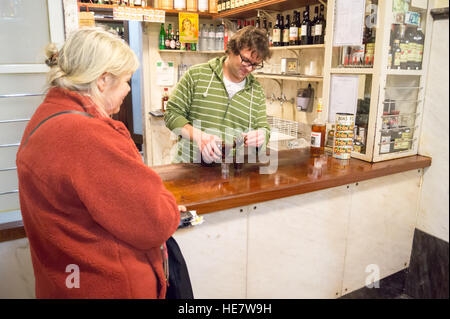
(318, 30)
(293, 33)
(212, 34)
(286, 35)
(276, 35)
(219, 35)
(315, 139)
(304, 30)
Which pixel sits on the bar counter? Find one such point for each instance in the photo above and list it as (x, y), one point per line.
(203, 188)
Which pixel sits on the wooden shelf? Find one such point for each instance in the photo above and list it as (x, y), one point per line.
(351, 71)
(198, 52)
(404, 72)
(250, 10)
(109, 8)
(299, 47)
(296, 78)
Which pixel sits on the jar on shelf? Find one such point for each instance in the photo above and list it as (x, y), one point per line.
(165, 4)
(191, 5)
(213, 6)
(203, 5)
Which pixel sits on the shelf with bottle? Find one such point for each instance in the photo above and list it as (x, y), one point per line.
(355, 70)
(297, 78)
(194, 52)
(299, 47)
(249, 8)
(107, 7)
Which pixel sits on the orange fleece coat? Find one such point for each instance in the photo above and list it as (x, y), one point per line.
(87, 199)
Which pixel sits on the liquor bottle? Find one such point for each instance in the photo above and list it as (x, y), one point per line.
(172, 40)
(318, 29)
(396, 55)
(299, 25)
(313, 23)
(213, 6)
(276, 35)
(191, 5)
(286, 31)
(232, 4)
(293, 30)
(162, 39)
(227, 4)
(258, 21)
(167, 39)
(269, 34)
(318, 132)
(177, 41)
(203, 5)
(323, 23)
(164, 99)
(219, 6)
(404, 44)
(420, 40)
(306, 28)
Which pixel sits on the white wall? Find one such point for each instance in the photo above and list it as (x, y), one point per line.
(433, 216)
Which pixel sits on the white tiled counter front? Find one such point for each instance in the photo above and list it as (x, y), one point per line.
(316, 245)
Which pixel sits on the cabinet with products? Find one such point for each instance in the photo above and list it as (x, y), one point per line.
(391, 66)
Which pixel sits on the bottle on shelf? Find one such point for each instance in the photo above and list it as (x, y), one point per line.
(219, 6)
(211, 38)
(299, 26)
(191, 5)
(167, 38)
(162, 36)
(293, 30)
(177, 41)
(286, 31)
(276, 35)
(404, 45)
(179, 4)
(213, 6)
(318, 131)
(220, 37)
(203, 41)
(227, 4)
(306, 28)
(420, 40)
(164, 99)
(164, 4)
(269, 34)
(172, 40)
(313, 23)
(396, 55)
(203, 5)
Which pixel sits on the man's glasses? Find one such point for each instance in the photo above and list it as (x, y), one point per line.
(245, 62)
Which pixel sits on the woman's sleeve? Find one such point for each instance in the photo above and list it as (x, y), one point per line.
(123, 195)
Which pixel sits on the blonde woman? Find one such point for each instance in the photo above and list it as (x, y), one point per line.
(96, 217)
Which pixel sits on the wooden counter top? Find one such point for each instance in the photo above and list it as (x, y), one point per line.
(203, 189)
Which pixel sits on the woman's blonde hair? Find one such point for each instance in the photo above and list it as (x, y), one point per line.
(85, 56)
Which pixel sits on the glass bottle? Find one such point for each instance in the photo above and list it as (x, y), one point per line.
(191, 5)
(286, 31)
(162, 35)
(420, 40)
(276, 36)
(213, 6)
(293, 30)
(164, 99)
(203, 5)
(318, 131)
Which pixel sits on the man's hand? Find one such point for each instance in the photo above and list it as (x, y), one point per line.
(208, 145)
(254, 138)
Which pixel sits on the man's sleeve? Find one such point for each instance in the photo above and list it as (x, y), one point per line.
(261, 119)
(176, 115)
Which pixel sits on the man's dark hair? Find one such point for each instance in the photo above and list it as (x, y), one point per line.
(252, 38)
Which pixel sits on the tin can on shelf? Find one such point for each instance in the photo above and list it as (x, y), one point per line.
(343, 140)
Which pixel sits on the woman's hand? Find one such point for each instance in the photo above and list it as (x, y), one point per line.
(182, 208)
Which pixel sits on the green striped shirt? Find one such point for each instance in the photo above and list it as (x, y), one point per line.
(200, 99)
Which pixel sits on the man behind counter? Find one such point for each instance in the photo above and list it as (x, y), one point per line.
(221, 100)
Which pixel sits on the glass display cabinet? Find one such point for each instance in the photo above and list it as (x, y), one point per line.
(391, 67)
